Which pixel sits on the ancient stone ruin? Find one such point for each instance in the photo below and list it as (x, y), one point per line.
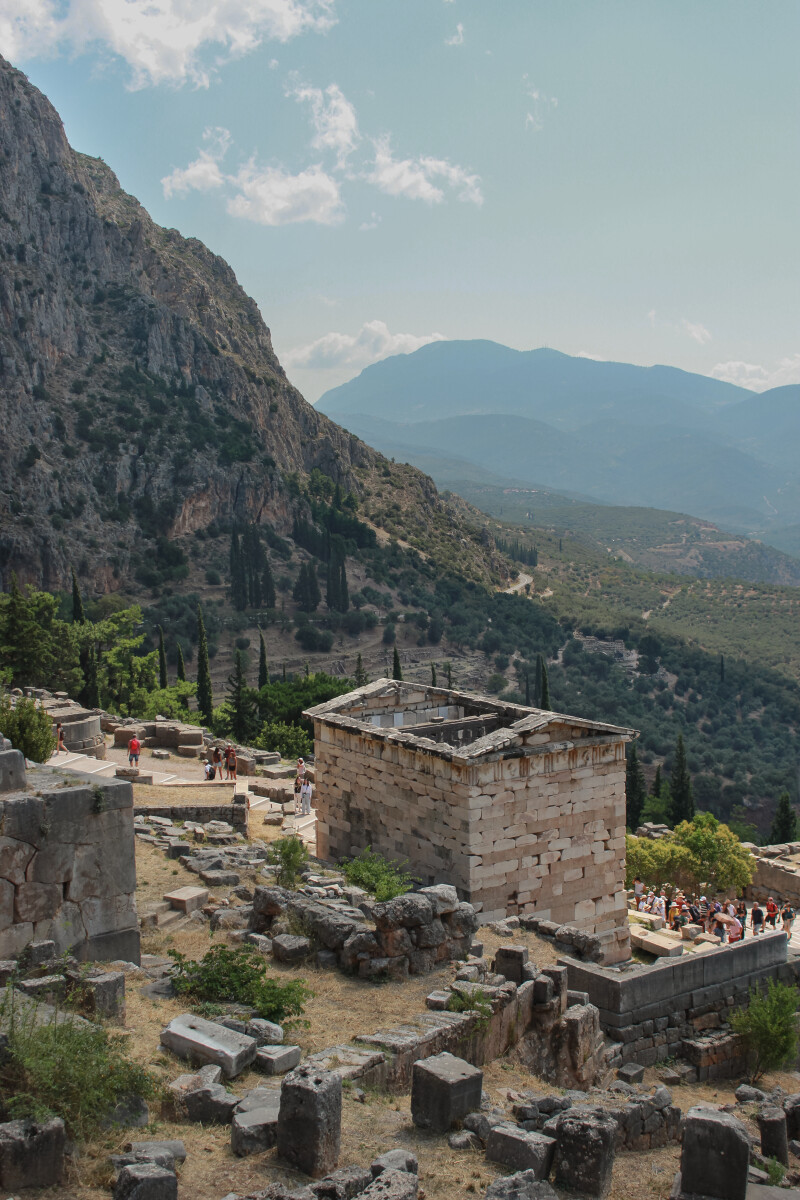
(522, 810)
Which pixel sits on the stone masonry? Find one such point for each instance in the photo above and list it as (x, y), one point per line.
(522, 810)
(67, 871)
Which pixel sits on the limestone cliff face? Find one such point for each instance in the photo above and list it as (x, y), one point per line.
(139, 392)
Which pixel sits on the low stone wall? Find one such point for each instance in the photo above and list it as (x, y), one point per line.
(776, 874)
(67, 871)
(652, 1012)
(235, 814)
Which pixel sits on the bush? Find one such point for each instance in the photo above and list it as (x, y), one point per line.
(767, 1027)
(475, 1001)
(213, 578)
(238, 975)
(288, 855)
(28, 727)
(381, 877)
(290, 741)
(78, 1072)
(313, 639)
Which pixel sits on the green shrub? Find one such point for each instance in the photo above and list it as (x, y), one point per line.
(29, 728)
(381, 877)
(767, 1027)
(238, 975)
(474, 1001)
(76, 1071)
(290, 741)
(288, 855)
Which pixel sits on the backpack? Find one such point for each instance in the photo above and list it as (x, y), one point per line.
(787, 914)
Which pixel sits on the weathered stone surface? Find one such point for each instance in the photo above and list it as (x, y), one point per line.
(584, 1156)
(394, 1160)
(202, 1041)
(255, 1126)
(146, 1181)
(462, 1139)
(513, 1147)
(14, 858)
(173, 1145)
(217, 879)
(290, 948)
(631, 1073)
(392, 1185)
(187, 899)
(310, 1120)
(443, 1090)
(772, 1127)
(277, 1060)
(409, 911)
(443, 897)
(266, 1033)
(745, 1094)
(522, 1186)
(31, 1155)
(715, 1155)
(211, 1105)
(510, 961)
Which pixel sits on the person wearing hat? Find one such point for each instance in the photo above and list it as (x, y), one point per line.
(301, 770)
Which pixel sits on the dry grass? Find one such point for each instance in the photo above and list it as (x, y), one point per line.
(154, 795)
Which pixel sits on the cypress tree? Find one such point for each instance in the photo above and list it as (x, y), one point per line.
(397, 670)
(263, 668)
(545, 699)
(344, 591)
(332, 590)
(78, 615)
(267, 585)
(448, 667)
(537, 683)
(163, 680)
(657, 782)
(241, 703)
(90, 696)
(361, 678)
(527, 689)
(635, 791)
(205, 698)
(722, 668)
(680, 782)
(784, 823)
(433, 674)
(181, 665)
(306, 589)
(238, 574)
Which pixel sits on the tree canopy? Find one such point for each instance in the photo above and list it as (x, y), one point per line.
(698, 853)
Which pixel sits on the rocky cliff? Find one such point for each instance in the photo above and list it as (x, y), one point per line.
(140, 395)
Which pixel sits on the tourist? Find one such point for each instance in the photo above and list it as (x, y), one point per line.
(772, 911)
(735, 930)
(134, 749)
(787, 917)
(301, 770)
(60, 739)
(660, 905)
(216, 756)
(757, 918)
(305, 798)
(741, 914)
(638, 888)
(298, 783)
(210, 771)
(230, 762)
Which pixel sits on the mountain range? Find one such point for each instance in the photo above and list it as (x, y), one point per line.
(614, 432)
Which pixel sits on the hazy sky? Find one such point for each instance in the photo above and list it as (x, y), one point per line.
(614, 179)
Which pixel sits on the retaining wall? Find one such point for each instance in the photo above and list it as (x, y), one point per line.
(652, 1011)
(234, 814)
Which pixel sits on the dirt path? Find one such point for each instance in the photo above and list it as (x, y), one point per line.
(520, 584)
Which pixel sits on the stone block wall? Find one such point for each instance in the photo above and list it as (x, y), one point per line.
(661, 1011)
(777, 873)
(235, 814)
(542, 832)
(67, 869)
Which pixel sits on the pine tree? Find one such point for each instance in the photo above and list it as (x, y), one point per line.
(722, 668)
(680, 782)
(784, 823)
(181, 670)
(433, 674)
(657, 782)
(163, 680)
(545, 698)
(241, 702)
(78, 615)
(397, 670)
(263, 667)
(361, 678)
(267, 586)
(635, 791)
(205, 698)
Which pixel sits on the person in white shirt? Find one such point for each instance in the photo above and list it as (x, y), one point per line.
(305, 798)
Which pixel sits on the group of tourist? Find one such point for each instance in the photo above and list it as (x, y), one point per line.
(726, 919)
(221, 760)
(302, 791)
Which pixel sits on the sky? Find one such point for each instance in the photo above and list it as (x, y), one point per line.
(618, 179)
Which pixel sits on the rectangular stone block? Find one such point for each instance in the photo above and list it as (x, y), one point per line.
(513, 1147)
(277, 1060)
(310, 1121)
(443, 1090)
(187, 899)
(202, 1041)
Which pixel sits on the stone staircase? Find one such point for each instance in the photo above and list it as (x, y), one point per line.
(162, 916)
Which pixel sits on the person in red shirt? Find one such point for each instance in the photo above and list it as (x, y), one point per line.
(772, 912)
(134, 749)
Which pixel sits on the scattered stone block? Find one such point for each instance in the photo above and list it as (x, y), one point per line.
(160, 754)
(631, 1073)
(522, 1186)
(173, 1145)
(202, 1041)
(132, 1112)
(464, 1140)
(146, 1181)
(162, 1158)
(211, 1105)
(584, 1156)
(39, 953)
(255, 1123)
(715, 1155)
(47, 987)
(31, 1155)
(438, 1001)
(217, 879)
(745, 1094)
(187, 899)
(670, 1077)
(103, 992)
(476, 949)
(394, 1160)
(326, 959)
(690, 933)
(657, 943)
(774, 1141)
(443, 1090)
(510, 961)
(290, 948)
(277, 1060)
(392, 1185)
(266, 1033)
(543, 990)
(310, 1120)
(513, 1147)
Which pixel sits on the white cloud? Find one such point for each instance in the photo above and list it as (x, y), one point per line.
(204, 174)
(162, 41)
(540, 106)
(372, 342)
(272, 196)
(458, 37)
(697, 332)
(334, 120)
(373, 222)
(413, 177)
(758, 378)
